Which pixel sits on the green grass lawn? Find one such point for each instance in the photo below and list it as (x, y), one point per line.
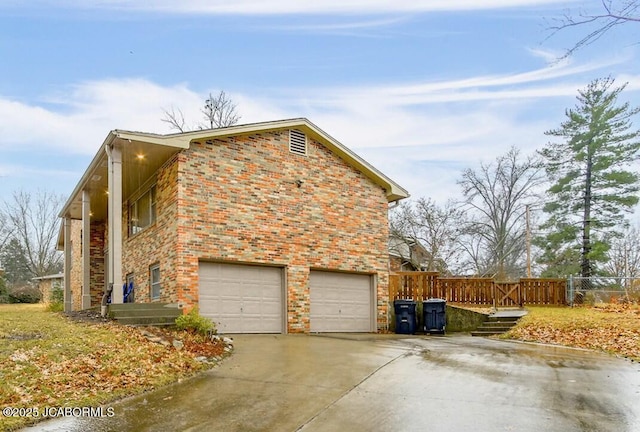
(46, 360)
(614, 329)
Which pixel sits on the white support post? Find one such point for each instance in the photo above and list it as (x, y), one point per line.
(67, 265)
(115, 222)
(86, 250)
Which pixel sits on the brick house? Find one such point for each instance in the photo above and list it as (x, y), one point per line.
(406, 254)
(47, 285)
(269, 227)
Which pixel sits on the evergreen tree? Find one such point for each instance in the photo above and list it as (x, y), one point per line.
(16, 264)
(592, 182)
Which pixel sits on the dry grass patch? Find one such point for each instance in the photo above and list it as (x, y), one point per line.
(46, 360)
(614, 329)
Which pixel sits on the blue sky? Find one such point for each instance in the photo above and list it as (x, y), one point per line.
(421, 89)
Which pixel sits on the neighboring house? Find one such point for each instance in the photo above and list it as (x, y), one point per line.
(47, 284)
(406, 254)
(268, 228)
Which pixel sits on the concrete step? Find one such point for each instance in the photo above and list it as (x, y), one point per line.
(484, 333)
(143, 306)
(147, 321)
(160, 314)
(495, 326)
(139, 313)
(500, 323)
(503, 318)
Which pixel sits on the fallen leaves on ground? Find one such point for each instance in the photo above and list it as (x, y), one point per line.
(46, 360)
(611, 328)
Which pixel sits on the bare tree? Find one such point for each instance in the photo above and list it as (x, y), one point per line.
(473, 248)
(175, 119)
(495, 201)
(219, 111)
(34, 224)
(612, 14)
(5, 232)
(425, 225)
(624, 255)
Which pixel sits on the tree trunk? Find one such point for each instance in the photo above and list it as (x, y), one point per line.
(585, 266)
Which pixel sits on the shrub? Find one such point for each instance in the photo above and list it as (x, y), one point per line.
(23, 294)
(57, 295)
(195, 323)
(56, 300)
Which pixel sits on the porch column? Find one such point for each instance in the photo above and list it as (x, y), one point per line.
(67, 264)
(86, 250)
(115, 222)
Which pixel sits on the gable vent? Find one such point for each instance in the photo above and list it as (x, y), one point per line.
(297, 142)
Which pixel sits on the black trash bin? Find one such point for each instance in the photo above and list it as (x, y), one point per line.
(434, 318)
(406, 319)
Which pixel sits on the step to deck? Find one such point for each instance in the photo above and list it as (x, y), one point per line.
(498, 324)
(153, 314)
(147, 321)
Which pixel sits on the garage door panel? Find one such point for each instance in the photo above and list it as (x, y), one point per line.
(242, 298)
(340, 302)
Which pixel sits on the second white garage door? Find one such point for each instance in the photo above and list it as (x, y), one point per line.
(242, 298)
(340, 302)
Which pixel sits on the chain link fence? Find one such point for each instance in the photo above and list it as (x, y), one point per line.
(601, 289)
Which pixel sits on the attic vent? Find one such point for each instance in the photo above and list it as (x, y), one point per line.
(297, 142)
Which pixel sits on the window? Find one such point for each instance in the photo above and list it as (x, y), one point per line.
(142, 212)
(154, 271)
(297, 142)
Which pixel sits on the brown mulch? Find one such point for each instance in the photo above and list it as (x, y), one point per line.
(196, 345)
(91, 316)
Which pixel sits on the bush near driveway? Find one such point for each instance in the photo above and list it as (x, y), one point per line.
(46, 360)
(611, 328)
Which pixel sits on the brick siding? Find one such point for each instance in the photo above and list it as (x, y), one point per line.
(248, 199)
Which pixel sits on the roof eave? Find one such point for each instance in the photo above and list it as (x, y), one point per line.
(95, 162)
(394, 192)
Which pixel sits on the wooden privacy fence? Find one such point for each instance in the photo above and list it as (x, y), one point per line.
(420, 286)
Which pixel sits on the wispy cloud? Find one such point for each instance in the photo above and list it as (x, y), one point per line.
(341, 26)
(487, 88)
(81, 115)
(550, 57)
(288, 7)
(431, 127)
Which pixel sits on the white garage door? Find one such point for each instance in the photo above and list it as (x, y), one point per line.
(242, 298)
(340, 302)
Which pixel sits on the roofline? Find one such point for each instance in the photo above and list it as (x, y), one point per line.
(108, 141)
(53, 276)
(85, 177)
(394, 191)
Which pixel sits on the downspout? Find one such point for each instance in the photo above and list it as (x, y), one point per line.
(395, 203)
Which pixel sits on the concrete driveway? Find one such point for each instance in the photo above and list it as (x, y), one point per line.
(389, 383)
